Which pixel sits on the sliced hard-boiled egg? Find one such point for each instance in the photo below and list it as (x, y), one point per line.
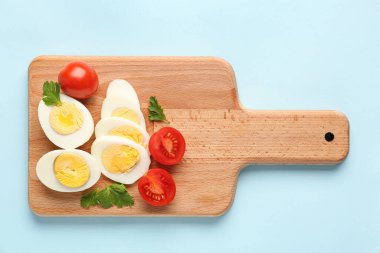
(121, 160)
(68, 125)
(122, 127)
(123, 89)
(68, 170)
(123, 108)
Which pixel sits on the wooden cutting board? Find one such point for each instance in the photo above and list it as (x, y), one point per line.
(200, 99)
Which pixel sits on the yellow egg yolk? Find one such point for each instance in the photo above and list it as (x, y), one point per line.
(126, 113)
(71, 170)
(66, 118)
(128, 132)
(120, 158)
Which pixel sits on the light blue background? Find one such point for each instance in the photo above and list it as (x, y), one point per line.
(290, 54)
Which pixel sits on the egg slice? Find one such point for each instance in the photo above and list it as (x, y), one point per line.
(122, 127)
(123, 89)
(69, 125)
(120, 159)
(123, 108)
(68, 170)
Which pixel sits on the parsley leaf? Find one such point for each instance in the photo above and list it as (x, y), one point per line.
(118, 196)
(89, 199)
(114, 194)
(104, 198)
(51, 92)
(156, 112)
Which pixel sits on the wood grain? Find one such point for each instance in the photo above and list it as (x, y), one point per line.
(200, 99)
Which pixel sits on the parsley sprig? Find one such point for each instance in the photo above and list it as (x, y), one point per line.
(51, 92)
(156, 112)
(114, 194)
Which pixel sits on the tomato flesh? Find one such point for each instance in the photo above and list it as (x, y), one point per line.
(78, 80)
(157, 187)
(167, 146)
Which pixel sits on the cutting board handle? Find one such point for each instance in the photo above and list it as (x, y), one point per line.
(295, 137)
(243, 136)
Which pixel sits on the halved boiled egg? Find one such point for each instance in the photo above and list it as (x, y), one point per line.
(68, 170)
(122, 127)
(68, 125)
(121, 159)
(123, 108)
(123, 89)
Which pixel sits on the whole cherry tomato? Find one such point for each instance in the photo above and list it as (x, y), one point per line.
(78, 80)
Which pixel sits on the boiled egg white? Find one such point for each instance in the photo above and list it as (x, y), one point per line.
(122, 127)
(123, 108)
(123, 89)
(69, 125)
(68, 170)
(121, 160)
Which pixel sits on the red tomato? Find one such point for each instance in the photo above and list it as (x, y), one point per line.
(78, 80)
(157, 187)
(167, 146)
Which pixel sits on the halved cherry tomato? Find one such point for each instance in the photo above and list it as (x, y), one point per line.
(157, 187)
(167, 146)
(78, 80)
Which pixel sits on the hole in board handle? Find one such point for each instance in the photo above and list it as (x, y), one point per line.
(329, 136)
